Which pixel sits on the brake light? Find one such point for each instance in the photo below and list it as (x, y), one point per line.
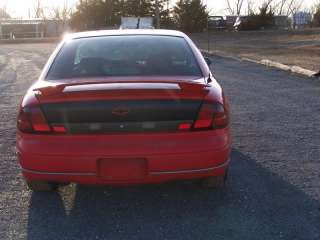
(211, 116)
(31, 119)
(185, 126)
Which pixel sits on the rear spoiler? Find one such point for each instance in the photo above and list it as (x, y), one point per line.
(57, 88)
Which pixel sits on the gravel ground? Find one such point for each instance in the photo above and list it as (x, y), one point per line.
(273, 191)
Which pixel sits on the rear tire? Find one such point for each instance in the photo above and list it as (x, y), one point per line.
(42, 186)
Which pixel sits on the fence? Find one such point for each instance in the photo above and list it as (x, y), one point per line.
(18, 35)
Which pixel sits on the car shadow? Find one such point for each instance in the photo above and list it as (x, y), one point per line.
(256, 204)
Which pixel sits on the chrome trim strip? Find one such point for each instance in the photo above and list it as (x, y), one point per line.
(192, 170)
(58, 173)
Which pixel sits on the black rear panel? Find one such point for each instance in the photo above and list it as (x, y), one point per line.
(121, 116)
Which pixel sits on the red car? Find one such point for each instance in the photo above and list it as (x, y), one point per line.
(124, 107)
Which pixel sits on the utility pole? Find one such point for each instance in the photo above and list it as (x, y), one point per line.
(208, 31)
(87, 16)
(157, 14)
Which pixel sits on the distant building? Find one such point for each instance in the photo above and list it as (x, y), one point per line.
(31, 28)
(281, 22)
(301, 19)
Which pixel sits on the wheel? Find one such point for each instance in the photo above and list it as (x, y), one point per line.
(215, 182)
(42, 186)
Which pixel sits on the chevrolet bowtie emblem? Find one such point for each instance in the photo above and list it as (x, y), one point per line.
(120, 111)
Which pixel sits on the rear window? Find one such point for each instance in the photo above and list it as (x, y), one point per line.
(131, 55)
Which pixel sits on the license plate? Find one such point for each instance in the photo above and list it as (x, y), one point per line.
(122, 169)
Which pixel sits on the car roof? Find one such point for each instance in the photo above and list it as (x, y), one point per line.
(124, 32)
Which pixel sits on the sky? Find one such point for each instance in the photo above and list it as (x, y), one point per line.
(21, 8)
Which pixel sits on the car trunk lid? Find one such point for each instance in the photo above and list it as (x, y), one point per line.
(108, 107)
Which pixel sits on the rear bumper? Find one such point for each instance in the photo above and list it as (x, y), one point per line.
(153, 177)
(169, 156)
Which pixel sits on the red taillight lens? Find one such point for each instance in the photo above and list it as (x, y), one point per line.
(205, 116)
(23, 123)
(211, 116)
(31, 119)
(38, 121)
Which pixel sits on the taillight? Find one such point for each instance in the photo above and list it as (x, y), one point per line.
(220, 117)
(23, 122)
(211, 116)
(38, 121)
(32, 120)
(205, 117)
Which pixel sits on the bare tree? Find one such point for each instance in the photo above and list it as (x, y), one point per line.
(294, 6)
(39, 10)
(268, 3)
(250, 7)
(4, 12)
(229, 8)
(285, 7)
(235, 7)
(314, 8)
(239, 6)
(61, 12)
(281, 6)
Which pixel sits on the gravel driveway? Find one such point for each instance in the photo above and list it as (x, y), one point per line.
(273, 191)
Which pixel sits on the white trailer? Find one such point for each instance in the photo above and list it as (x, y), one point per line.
(136, 23)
